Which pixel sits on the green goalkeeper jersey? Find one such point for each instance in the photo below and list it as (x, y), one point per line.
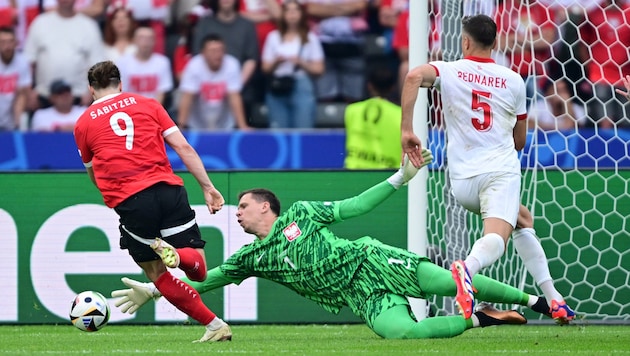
(302, 253)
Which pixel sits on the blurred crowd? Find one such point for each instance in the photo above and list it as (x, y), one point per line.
(215, 64)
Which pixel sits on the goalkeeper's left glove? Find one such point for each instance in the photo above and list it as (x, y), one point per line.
(132, 299)
(407, 170)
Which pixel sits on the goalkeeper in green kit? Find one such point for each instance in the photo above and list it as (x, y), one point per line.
(298, 250)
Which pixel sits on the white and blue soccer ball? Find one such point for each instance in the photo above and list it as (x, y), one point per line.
(89, 311)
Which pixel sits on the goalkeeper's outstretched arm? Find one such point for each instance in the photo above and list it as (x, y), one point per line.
(369, 199)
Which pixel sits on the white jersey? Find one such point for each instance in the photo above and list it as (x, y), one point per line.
(274, 48)
(13, 77)
(147, 78)
(211, 106)
(50, 119)
(481, 102)
(68, 59)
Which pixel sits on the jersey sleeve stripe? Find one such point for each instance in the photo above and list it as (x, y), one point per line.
(87, 165)
(521, 117)
(170, 131)
(437, 71)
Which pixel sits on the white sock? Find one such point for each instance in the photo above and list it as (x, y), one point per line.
(531, 300)
(215, 324)
(533, 256)
(485, 251)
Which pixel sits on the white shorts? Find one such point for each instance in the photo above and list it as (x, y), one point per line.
(492, 195)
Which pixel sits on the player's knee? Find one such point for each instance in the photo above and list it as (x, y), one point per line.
(394, 331)
(394, 323)
(525, 219)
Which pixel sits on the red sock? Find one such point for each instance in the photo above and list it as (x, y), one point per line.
(184, 298)
(191, 262)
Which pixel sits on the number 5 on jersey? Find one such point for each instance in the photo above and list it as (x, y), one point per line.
(478, 103)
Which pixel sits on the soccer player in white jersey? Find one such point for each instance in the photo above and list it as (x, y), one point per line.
(485, 118)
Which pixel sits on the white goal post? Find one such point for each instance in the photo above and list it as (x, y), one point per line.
(575, 180)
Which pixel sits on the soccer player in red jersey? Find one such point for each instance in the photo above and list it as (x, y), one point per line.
(121, 143)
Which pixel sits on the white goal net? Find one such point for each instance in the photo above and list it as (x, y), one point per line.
(576, 164)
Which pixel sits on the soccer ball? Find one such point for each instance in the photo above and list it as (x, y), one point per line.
(89, 311)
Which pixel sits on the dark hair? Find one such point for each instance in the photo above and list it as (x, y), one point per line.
(263, 195)
(7, 29)
(481, 28)
(382, 80)
(214, 6)
(302, 25)
(211, 37)
(109, 37)
(103, 75)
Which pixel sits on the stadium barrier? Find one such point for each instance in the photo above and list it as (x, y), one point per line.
(315, 149)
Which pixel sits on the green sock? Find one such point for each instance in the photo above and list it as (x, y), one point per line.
(490, 290)
(436, 280)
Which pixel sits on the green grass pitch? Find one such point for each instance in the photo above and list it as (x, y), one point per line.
(310, 340)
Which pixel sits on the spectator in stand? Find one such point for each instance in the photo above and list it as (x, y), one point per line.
(559, 110)
(15, 81)
(566, 63)
(400, 39)
(62, 44)
(91, 8)
(210, 90)
(183, 50)
(526, 33)
(340, 25)
(264, 14)
(146, 72)
(389, 13)
(62, 115)
(18, 14)
(118, 33)
(154, 13)
(604, 50)
(292, 51)
(239, 36)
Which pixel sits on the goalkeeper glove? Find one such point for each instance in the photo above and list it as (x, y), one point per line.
(407, 170)
(132, 299)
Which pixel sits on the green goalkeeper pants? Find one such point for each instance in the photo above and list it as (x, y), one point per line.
(397, 322)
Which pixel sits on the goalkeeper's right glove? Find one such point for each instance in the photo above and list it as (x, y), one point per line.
(132, 299)
(407, 171)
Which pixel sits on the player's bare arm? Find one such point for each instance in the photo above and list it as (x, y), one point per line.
(188, 155)
(520, 134)
(421, 76)
(626, 83)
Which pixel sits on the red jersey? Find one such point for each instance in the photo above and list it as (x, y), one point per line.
(121, 136)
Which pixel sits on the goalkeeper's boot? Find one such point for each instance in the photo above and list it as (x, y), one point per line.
(465, 298)
(224, 333)
(561, 312)
(167, 253)
(489, 315)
